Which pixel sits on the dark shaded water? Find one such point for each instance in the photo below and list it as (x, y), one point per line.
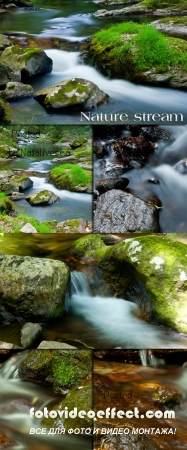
(172, 187)
(73, 21)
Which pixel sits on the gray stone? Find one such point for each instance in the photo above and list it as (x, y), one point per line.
(33, 288)
(29, 333)
(120, 212)
(28, 228)
(29, 61)
(72, 226)
(45, 345)
(42, 198)
(17, 196)
(74, 93)
(15, 90)
(8, 74)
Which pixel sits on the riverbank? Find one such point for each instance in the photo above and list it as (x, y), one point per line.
(43, 177)
(62, 37)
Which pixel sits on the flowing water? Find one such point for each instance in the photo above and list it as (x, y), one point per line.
(16, 398)
(96, 321)
(172, 187)
(71, 205)
(73, 21)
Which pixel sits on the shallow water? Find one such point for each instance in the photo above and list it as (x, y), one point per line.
(75, 23)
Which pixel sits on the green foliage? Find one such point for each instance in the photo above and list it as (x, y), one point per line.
(40, 228)
(6, 205)
(3, 195)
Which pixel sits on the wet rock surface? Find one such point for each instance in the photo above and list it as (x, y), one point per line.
(111, 183)
(133, 148)
(120, 212)
(74, 93)
(181, 167)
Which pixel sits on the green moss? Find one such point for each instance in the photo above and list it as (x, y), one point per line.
(141, 46)
(17, 57)
(5, 111)
(159, 266)
(89, 247)
(70, 176)
(162, 4)
(6, 205)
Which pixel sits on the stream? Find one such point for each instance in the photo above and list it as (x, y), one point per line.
(126, 385)
(16, 398)
(171, 189)
(74, 22)
(93, 321)
(72, 205)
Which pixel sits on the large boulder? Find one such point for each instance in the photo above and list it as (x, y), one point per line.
(157, 265)
(9, 182)
(121, 212)
(63, 369)
(15, 90)
(29, 61)
(74, 93)
(42, 198)
(33, 288)
(134, 59)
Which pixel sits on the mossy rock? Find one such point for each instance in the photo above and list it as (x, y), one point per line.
(89, 248)
(30, 61)
(5, 112)
(139, 53)
(4, 42)
(6, 151)
(63, 369)
(72, 226)
(75, 93)
(6, 205)
(34, 288)
(44, 197)
(80, 398)
(78, 142)
(158, 268)
(71, 177)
